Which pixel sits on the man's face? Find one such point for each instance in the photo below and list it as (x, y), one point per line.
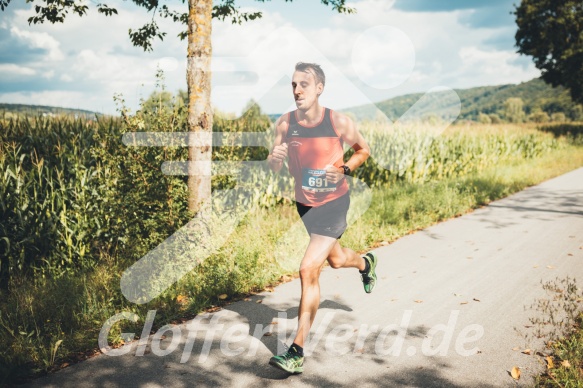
(305, 89)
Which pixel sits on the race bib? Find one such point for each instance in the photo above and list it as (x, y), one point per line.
(315, 181)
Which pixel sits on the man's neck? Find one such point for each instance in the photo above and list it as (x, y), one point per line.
(312, 115)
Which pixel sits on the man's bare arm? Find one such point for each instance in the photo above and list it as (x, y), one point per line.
(279, 150)
(350, 134)
(347, 130)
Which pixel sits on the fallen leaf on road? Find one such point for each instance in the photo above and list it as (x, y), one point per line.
(463, 302)
(516, 348)
(477, 300)
(273, 323)
(259, 301)
(515, 373)
(566, 363)
(526, 351)
(223, 296)
(268, 334)
(457, 294)
(550, 363)
(469, 257)
(550, 267)
(247, 299)
(418, 301)
(569, 254)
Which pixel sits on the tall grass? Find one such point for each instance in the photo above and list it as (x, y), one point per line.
(77, 207)
(418, 154)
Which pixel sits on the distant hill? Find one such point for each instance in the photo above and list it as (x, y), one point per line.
(42, 110)
(535, 94)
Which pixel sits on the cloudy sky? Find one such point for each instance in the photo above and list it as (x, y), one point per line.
(387, 48)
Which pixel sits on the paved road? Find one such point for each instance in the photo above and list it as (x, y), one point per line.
(448, 311)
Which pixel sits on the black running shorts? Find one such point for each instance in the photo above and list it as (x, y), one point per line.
(328, 219)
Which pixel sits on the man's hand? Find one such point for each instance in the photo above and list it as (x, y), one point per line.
(279, 153)
(334, 174)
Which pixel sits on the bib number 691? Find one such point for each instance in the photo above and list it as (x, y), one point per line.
(317, 182)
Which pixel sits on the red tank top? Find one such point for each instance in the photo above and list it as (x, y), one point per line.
(310, 150)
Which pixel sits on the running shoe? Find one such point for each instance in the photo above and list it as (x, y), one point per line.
(290, 362)
(369, 279)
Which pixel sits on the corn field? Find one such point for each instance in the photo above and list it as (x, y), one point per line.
(418, 154)
(71, 190)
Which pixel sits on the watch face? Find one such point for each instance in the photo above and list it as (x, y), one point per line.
(346, 170)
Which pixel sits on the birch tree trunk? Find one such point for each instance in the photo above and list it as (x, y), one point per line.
(200, 115)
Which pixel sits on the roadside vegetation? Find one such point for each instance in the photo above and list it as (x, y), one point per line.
(78, 207)
(557, 322)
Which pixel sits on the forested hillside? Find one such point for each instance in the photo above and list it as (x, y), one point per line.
(529, 101)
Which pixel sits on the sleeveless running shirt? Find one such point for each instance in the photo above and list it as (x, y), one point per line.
(310, 150)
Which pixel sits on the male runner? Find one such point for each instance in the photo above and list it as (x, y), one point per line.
(312, 137)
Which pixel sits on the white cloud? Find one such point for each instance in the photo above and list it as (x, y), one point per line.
(40, 40)
(96, 53)
(65, 99)
(383, 57)
(493, 64)
(10, 69)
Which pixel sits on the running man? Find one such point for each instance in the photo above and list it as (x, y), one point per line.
(312, 137)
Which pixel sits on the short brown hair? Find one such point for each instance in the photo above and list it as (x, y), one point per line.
(318, 72)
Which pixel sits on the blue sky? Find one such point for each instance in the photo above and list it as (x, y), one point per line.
(388, 48)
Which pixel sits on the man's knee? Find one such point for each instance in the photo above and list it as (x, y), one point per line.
(337, 261)
(309, 272)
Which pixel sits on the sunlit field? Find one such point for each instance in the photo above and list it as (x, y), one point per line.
(78, 207)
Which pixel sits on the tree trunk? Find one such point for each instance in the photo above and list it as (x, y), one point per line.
(200, 115)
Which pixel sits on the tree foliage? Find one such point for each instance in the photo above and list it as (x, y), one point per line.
(513, 110)
(55, 11)
(551, 31)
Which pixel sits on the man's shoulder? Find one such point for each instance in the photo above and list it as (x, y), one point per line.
(340, 119)
(283, 121)
(284, 118)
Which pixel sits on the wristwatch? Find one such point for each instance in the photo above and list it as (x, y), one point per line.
(346, 169)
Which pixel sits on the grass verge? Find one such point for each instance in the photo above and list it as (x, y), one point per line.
(566, 366)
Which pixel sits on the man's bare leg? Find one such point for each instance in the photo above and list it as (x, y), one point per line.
(317, 252)
(319, 249)
(345, 258)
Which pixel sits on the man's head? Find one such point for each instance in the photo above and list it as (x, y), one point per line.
(308, 83)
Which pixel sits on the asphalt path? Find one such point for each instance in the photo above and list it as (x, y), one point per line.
(451, 309)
